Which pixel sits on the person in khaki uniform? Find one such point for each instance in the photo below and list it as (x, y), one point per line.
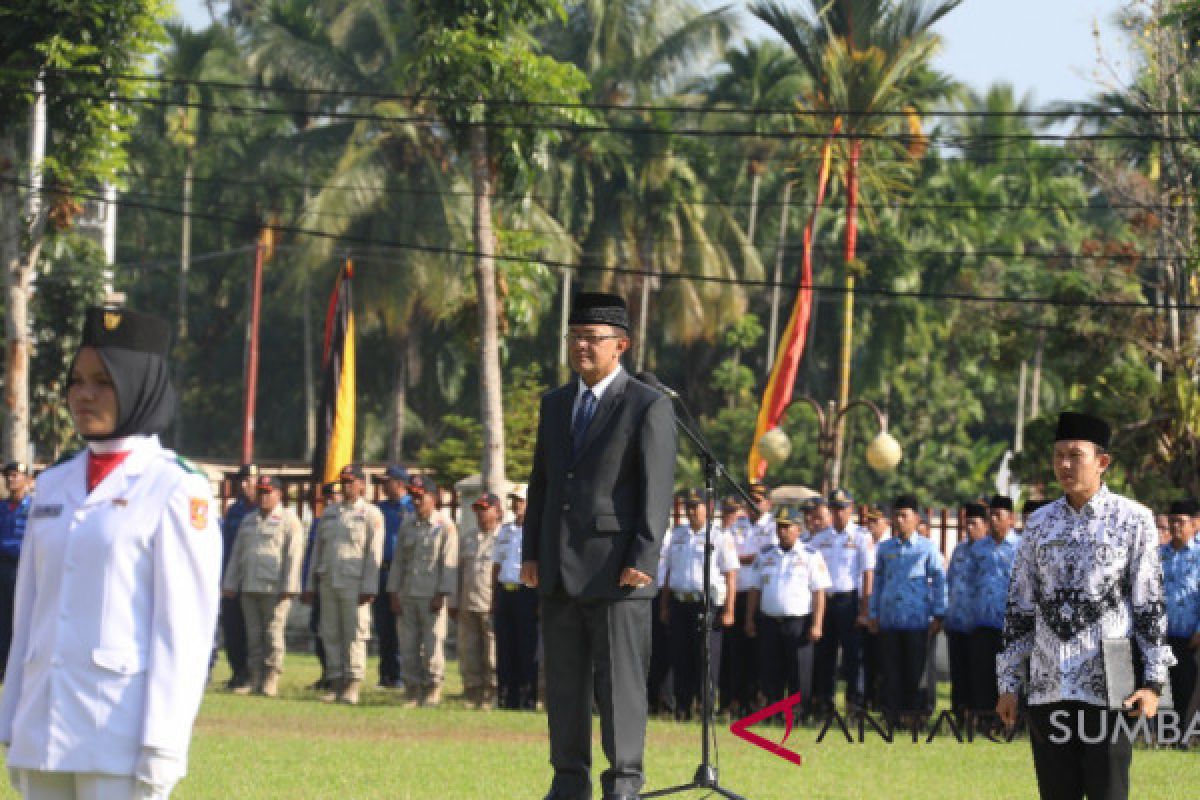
(265, 568)
(424, 573)
(473, 609)
(345, 572)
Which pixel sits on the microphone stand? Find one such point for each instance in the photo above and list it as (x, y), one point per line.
(706, 773)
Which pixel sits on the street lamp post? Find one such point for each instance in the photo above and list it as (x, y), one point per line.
(883, 453)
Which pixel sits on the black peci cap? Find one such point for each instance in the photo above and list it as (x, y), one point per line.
(599, 308)
(126, 329)
(1073, 425)
(975, 511)
(1001, 503)
(906, 501)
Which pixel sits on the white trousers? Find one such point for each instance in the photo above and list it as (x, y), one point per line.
(38, 785)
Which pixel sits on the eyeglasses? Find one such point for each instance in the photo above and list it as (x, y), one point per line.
(590, 339)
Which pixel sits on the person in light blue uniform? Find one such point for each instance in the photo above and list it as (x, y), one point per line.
(906, 607)
(991, 571)
(1181, 586)
(394, 507)
(14, 513)
(959, 607)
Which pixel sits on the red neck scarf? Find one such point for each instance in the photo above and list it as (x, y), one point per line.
(99, 465)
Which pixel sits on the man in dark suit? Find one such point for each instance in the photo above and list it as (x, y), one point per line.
(598, 506)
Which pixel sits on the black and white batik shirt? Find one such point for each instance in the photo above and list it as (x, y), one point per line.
(1080, 577)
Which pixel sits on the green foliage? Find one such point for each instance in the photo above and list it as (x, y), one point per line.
(89, 50)
(455, 453)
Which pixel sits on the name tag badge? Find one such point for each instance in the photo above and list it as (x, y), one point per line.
(46, 512)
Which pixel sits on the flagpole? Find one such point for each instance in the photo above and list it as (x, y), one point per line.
(251, 381)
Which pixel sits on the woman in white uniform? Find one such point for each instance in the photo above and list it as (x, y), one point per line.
(117, 589)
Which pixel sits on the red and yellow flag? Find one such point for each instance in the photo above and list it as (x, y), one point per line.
(335, 420)
(778, 393)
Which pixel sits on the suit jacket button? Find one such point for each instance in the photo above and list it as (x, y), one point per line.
(566, 506)
(570, 475)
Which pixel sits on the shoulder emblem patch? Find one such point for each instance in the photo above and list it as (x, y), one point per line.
(187, 465)
(199, 512)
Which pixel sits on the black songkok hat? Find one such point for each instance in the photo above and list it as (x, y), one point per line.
(133, 347)
(599, 308)
(975, 510)
(906, 501)
(126, 329)
(1185, 508)
(1084, 427)
(1001, 502)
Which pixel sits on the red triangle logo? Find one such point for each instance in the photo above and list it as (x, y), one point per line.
(741, 728)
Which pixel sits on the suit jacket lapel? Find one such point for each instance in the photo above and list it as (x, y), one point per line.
(604, 410)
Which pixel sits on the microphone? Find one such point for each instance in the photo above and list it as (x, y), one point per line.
(651, 380)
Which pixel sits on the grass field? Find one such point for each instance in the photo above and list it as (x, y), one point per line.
(294, 747)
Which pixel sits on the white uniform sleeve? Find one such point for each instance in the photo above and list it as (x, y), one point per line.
(23, 600)
(294, 548)
(187, 561)
(818, 573)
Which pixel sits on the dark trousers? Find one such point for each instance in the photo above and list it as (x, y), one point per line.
(1069, 768)
(903, 653)
(958, 648)
(840, 633)
(516, 647)
(233, 627)
(871, 670)
(1183, 675)
(785, 655)
(659, 685)
(685, 622)
(8, 590)
(739, 661)
(385, 633)
(314, 627)
(596, 651)
(986, 644)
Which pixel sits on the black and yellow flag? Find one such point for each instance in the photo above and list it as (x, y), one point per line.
(335, 420)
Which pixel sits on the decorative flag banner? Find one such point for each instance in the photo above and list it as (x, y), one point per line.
(335, 420)
(778, 393)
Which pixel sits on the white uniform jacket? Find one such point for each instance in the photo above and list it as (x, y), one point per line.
(116, 604)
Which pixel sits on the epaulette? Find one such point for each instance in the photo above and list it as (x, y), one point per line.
(187, 466)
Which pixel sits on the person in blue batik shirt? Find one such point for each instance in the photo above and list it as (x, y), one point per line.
(906, 607)
(992, 564)
(959, 611)
(14, 512)
(1181, 585)
(233, 622)
(396, 504)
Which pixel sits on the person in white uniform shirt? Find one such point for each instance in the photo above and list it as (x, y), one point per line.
(515, 615)
(117, 589)
(1087, 569)
(682, 605)
(739, 665)
(849, 553)
(790, 594)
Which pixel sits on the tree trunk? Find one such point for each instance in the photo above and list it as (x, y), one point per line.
(646, 257)
(1035, 383)
(399, 402)
(16, 319)
(310, 392)
(776, 288)
(491, 468)
(755, 185)
(185, 263)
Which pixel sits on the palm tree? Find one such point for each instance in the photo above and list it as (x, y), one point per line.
(635, 199)
(868, 61)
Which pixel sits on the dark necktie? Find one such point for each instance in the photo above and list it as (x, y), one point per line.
(583, 416)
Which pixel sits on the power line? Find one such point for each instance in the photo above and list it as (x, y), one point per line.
(792, 111)
(631, 130)
(664, 276)
(833, 249)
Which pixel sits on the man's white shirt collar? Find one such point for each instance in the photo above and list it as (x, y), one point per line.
(600, 388)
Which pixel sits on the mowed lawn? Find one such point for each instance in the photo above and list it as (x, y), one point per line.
(295, 747)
